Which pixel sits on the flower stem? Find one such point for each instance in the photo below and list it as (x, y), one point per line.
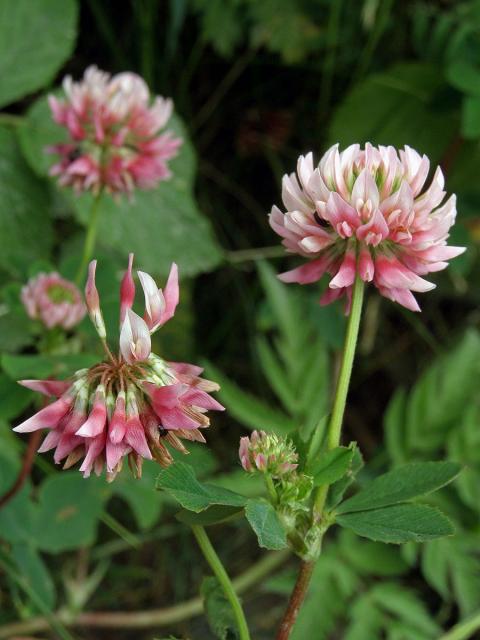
(464, 629)
(334, 430)
(296, 600)
(218, 569)
(90, 237)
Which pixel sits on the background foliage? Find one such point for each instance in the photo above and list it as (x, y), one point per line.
(254, 85)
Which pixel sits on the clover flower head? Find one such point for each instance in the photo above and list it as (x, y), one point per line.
(366, 212)
(117, 136)
(132, 404)
(267, 453)
(54, 301)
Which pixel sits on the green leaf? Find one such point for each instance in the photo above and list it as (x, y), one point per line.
(464, 76)
(397, 107)
(36, 38)
(180, 482)
(34, 571)
(264, 521)
(401, 484)
(371, 558)
(331, 465)
(13, 398)
(212, 515)
(20, 367)
(471, 116)
(144, 502)
(398, 523)
(24, 237)
(407, 607)
(248, 409)
(37, 132)
(218, 610)
(68, 513)
(337, 490)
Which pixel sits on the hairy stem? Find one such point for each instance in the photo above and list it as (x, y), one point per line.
(296, 600)
(148, 618)
(218, 569)
(90, 238)
(27, 463)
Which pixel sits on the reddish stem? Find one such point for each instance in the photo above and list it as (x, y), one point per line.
(296, 600)
(27, 463)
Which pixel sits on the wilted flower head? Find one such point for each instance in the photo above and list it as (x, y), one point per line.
(53, 300)
(115, 141)
(133, 404)
(268, 453)
(365, 212)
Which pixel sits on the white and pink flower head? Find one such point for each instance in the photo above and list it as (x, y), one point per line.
(267, 453)
(132, 404)
(54, 301)
(115, 142)
(366, 212)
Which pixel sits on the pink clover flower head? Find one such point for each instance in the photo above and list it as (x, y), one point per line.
(54, 301)
(267, 453)
(130, 405)
(118, 139)
(366, 212)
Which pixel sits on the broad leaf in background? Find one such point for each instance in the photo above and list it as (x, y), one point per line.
(264, 521)
(180, 482)
(397, 107)
(218, 610)
(18, 516)
(162, 225)
(68, 511)
(36, 38)
(13, 398)
(398, 523)
(23, 237)
(31, 566)
(40, 366)
(402, 484)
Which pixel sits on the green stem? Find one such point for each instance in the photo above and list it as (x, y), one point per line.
(463, 630)
(90, 237)
(335, 426)
(218, 569)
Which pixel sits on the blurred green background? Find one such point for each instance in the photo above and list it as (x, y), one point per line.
(255, 83)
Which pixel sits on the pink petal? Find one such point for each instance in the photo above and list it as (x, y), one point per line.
(166, 396)
(346, 274)
(47, 418)
(135, 437)
(154, 301)
(127, 290)
(135, 342)
(307, 273)
(171, 294)
(47, 387)
(201, 399)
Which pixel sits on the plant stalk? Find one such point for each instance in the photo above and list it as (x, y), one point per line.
(334, 430)
(218, 569)
(296, 600)
(90, 238)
